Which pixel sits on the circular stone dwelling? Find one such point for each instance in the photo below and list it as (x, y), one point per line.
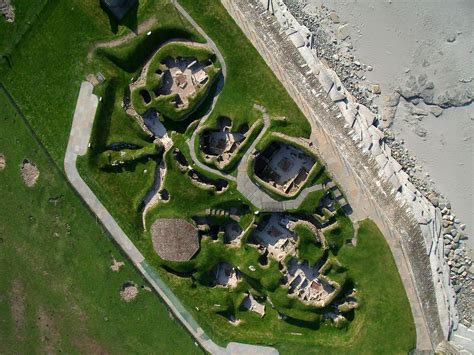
(174, 239)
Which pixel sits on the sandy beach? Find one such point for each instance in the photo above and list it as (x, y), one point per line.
(403, 39)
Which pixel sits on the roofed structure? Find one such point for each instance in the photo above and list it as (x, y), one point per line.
(118, 8)
(174, 239)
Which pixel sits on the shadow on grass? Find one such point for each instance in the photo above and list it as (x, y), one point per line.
(130, 20)
(130, 57)
(313, 325)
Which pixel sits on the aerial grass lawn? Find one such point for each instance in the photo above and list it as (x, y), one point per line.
(26, 12)
(57, 291)
(50, 60)
(249, 80)
(55, 268)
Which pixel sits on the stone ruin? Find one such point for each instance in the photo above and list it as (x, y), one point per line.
(308, 284)
(275, 237)
(249, 303)
(283, 167)
(232, 233)
(220, 145)
(181, 77)
(226, 275)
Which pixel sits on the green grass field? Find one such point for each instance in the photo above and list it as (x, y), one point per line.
(249, 80)
(57, 291)
(60, 244)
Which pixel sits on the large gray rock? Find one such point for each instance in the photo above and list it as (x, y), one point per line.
(436, 110)
(334, 17)
(343, 32)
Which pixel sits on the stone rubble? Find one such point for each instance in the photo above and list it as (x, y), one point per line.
(333, 47)
(3, 162)
(7, 10)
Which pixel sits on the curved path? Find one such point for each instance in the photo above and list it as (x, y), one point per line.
(245, 185)
(81, 129)
(143, 27)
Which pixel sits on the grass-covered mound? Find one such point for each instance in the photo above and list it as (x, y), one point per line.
(46, 89)
(165, 104)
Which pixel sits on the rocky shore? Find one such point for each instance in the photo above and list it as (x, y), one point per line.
(331, 42)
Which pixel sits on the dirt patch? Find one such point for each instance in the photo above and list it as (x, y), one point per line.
(78, 312)
(88, 345)
(29, 173)
(3, 162)
(48, 332)
(116, 265)
(129, 291)
(17, 307)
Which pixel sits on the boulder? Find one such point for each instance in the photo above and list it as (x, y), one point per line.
(334, 17)
(375, 89)
(451, 38)
(422, 80)
(391, 100)
(436, 110)
(343, 32)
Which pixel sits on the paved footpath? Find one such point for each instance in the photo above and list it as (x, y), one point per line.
(246, 186)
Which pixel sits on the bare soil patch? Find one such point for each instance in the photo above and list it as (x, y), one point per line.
(3, 162)
(129, 291)
(29, 173)
(17, 307)
(78, 312)
(88, 345)
(48, 332)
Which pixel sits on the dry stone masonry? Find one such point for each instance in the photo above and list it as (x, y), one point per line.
(436, 225)
(414, 218)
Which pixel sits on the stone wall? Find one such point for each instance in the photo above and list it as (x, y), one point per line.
(425, 230)
(412, 216)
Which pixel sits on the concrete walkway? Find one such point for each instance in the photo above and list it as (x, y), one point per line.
(358, 195)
